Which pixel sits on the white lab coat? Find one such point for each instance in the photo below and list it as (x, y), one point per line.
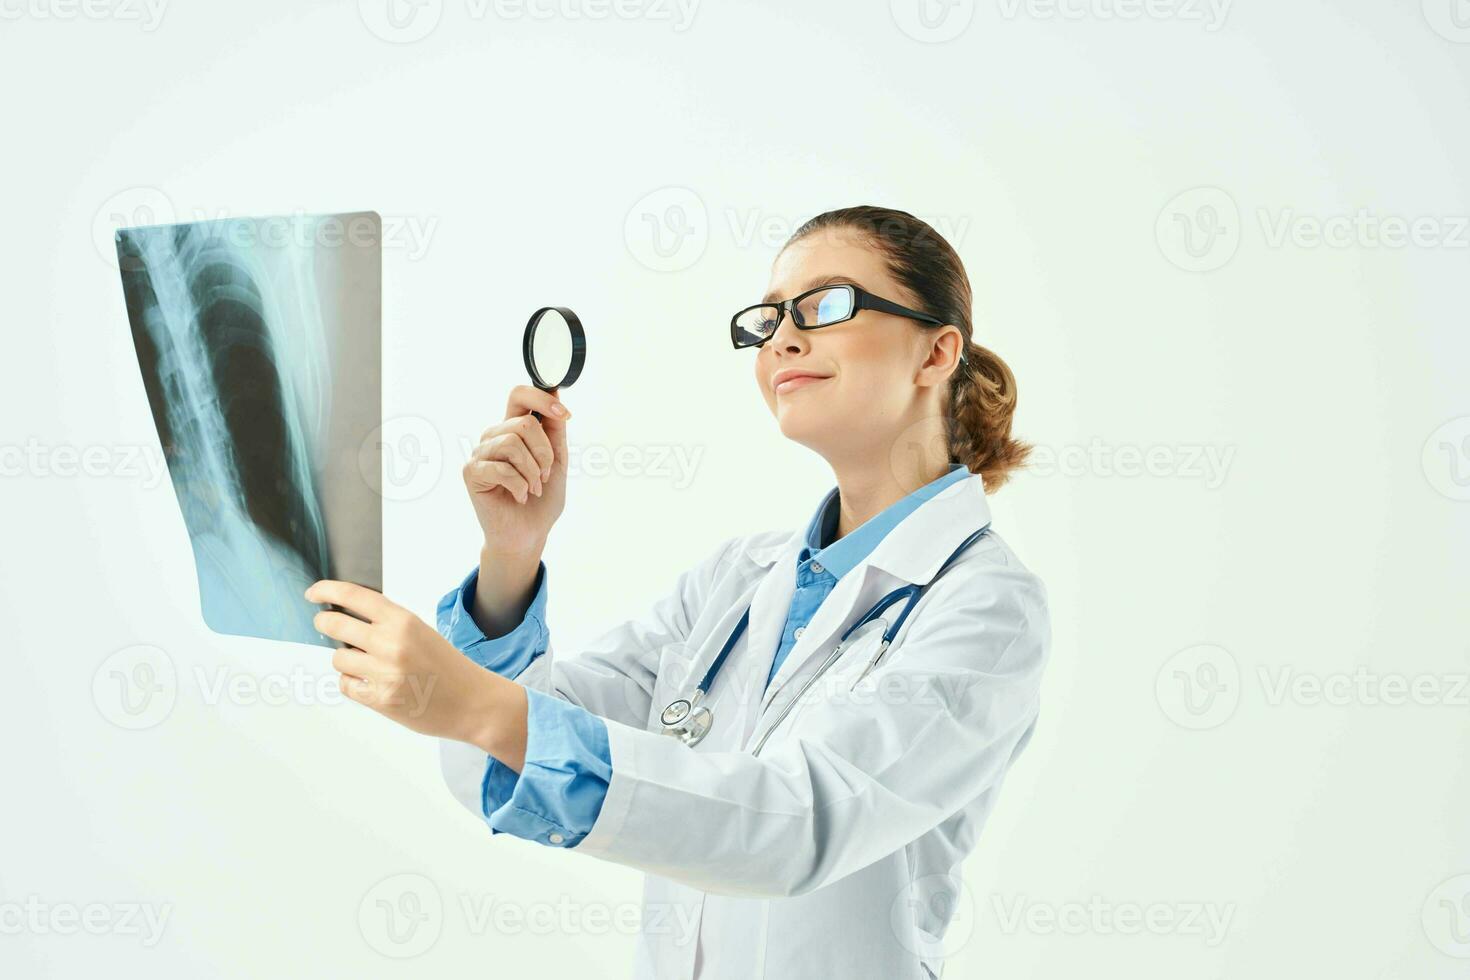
(836, 851)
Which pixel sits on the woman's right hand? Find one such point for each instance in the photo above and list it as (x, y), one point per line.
(517, 475)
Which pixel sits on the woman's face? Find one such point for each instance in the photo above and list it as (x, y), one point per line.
(871, 369)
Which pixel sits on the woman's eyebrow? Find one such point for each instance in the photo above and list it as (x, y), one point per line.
(819, 281)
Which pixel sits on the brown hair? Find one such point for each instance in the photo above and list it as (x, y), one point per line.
(982, 390)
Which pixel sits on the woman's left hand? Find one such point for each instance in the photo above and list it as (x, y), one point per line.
(402, 668)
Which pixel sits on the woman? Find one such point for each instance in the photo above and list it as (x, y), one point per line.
(817, 829)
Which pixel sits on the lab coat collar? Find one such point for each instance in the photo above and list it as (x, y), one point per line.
(769, 554)
(846, 553)
(914, 550)
(911, 553)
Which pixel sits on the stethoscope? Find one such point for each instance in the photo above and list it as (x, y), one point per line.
(689, 720)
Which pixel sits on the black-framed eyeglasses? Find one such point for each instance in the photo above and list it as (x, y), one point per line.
(820, 307)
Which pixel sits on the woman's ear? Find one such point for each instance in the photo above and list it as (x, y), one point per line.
(946, 343)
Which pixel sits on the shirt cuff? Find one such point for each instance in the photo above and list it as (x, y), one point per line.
(507, 655)
(558, 795)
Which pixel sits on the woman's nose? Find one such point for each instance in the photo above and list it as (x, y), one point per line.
(788, 336)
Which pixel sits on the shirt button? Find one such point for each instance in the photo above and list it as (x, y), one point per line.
(799, 630)
(817, 567)
(555, 838)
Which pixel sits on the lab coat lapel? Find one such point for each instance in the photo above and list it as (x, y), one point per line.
(910, 553)
(738, 689)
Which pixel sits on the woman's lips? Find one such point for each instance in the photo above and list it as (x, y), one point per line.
(791, 384)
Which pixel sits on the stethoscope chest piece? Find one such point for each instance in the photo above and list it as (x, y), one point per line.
(676, 712)
(687, 720)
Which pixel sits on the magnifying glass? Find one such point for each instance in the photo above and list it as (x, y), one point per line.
(554, 348)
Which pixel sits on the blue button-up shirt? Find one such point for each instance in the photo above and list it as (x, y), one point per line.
(820, 565)
(559, 792)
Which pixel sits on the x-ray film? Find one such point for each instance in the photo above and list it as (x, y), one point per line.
(259, 340)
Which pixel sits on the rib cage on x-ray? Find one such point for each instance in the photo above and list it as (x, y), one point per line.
(238, 369)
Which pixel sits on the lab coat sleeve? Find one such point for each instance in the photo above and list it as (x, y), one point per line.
(860, 775)
(556, 797)
(612, 678)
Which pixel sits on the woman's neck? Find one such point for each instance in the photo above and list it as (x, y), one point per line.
(867, 489)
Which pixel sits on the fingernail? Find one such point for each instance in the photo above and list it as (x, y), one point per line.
(546, 473)
(558, 410)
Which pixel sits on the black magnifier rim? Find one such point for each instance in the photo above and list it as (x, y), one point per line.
(579, 348)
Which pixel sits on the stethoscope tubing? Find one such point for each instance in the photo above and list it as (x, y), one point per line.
(911, 592)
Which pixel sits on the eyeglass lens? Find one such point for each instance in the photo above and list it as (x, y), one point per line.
(831, 305)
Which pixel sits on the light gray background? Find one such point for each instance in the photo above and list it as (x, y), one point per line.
(524, 160)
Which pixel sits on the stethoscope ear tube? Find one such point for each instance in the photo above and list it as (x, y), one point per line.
(872, 662)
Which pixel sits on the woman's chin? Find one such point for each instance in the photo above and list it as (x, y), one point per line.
(801, 425)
